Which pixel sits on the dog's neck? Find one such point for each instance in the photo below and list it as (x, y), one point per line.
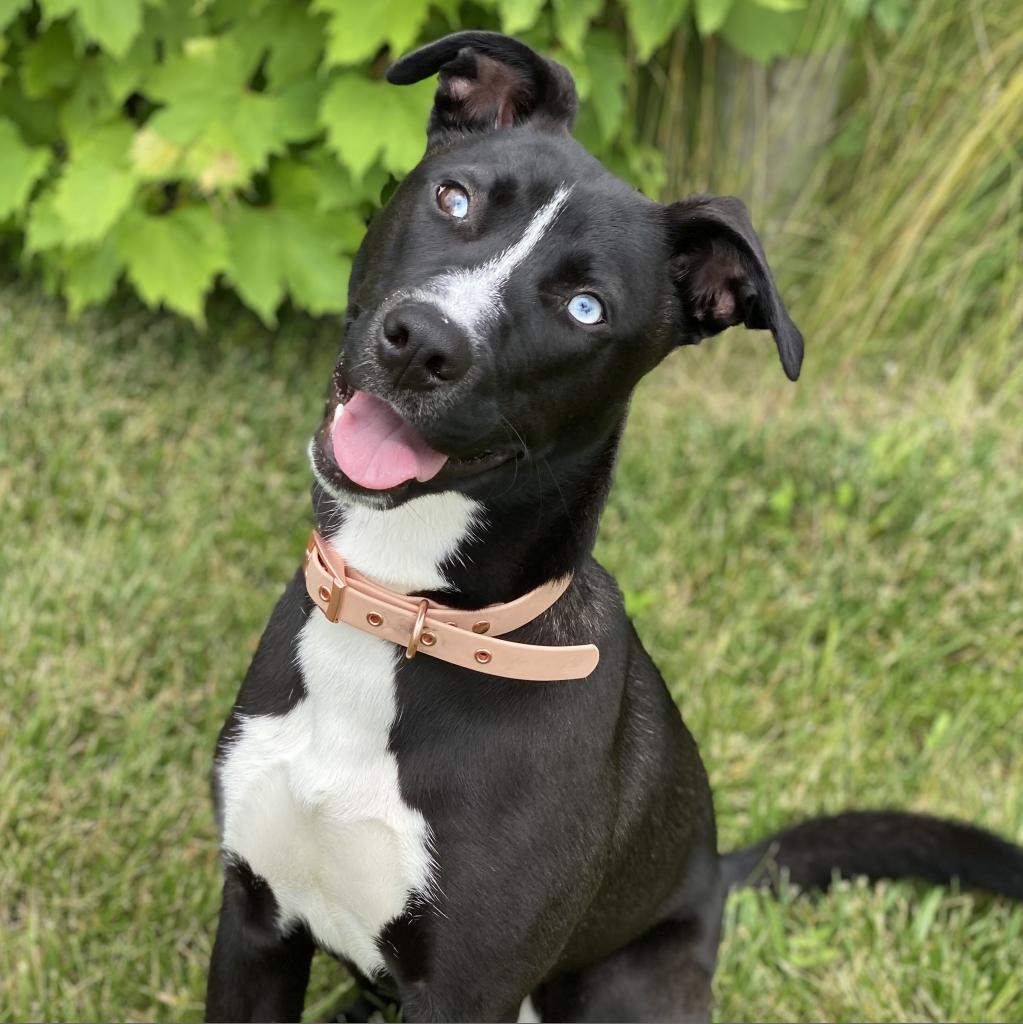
(470, 552)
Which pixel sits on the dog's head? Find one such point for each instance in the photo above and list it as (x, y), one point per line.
(513, 292)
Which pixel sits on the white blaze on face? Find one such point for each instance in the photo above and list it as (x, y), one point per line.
(472, 296)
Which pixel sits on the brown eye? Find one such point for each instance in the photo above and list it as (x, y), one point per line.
(453, 200)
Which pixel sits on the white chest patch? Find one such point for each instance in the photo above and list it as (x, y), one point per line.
(311, 798)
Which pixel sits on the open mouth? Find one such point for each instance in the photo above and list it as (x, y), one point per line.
(365, 445)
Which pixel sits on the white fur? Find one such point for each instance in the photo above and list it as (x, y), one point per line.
(311, 798)
(528, 1013)
(473, 296)
(404, 547)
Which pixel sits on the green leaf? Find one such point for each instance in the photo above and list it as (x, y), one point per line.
(225, 133)
(9, 9)
(96, 186)
(111, 23)
(45, 228)
(760, 33)
(578, 69)
(320, 183)
(49, 63)
(345, 228)
(357, 29)
(153, 158)
(255, 261)
(90, 104)
(286, 34)
(782, 5)
(518, 15)
(21, 167)
(298, 105)
(608, 75)
(317, 275)
(652, 21)
(231, 11)
(410, 110)
(90, 197)
(36, 119)
(366, 119)
(197, 85)
(274, 248)
(647, 168)
(164, 31)
(90, 275)
(571, 20)
(339, 192)
(173, 259)
(891, 15)
(124, 75)
(711, 14)
(236, 144)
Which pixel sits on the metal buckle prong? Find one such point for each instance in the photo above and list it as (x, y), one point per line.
(337, 592)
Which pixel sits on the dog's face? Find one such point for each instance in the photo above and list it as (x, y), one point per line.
(513, 292)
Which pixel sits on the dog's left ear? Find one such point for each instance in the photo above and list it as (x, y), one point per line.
(722, 278)
(489, 81)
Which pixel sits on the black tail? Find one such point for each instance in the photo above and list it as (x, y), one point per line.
(881, 844)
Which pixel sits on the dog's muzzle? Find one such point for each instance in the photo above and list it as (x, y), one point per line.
(421, 349)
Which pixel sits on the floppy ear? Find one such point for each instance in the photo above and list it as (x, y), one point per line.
(489, 81)
(722, 277)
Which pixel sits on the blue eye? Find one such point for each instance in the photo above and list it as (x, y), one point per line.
(586, 308)
(453, 200)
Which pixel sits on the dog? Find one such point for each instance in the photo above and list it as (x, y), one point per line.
(451, 764)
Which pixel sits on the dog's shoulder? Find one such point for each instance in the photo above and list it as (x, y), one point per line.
(273, 683)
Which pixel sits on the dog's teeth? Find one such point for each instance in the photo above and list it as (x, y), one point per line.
(337, 414)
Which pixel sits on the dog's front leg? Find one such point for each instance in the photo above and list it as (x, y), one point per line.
(257, 973)
(423, 1004)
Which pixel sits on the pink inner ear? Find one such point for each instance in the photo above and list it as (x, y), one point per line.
(494, 96)
(724, 307)
(715, 292)
(460, 88)
(711, 275)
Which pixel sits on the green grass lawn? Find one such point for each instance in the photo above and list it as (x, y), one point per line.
(828, 574)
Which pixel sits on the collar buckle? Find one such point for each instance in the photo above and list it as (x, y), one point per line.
(334, 595)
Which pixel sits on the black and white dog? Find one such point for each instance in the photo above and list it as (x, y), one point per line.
(466, 842)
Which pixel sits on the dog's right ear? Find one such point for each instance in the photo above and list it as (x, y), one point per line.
(722, 278)
(489, 81)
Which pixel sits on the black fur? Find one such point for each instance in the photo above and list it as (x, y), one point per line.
(574, 829)
(881, 844)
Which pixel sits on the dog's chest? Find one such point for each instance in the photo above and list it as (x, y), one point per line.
(312, 802)
(312, 799)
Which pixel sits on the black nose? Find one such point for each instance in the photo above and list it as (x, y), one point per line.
(422, 348)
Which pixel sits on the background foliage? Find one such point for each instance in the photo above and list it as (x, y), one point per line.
(828, 575)
(177, 143)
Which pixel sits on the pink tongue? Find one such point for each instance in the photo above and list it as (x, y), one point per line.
(376, 448)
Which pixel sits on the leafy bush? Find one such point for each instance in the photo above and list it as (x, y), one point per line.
(173, 143)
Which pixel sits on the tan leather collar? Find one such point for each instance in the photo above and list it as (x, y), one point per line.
(466, 638)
